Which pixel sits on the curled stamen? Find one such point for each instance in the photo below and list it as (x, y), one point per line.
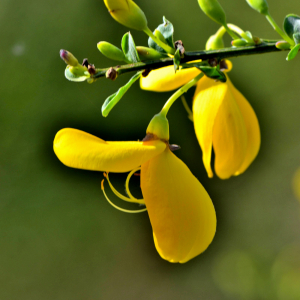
(127, 199)
(127, 185)
(117, 207)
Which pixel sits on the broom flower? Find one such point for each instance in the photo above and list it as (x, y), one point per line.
(180, 210)
(223, 119)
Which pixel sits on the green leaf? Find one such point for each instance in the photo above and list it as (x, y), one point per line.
(166, 30)
(211, 72)
(146, 53)
(296, 37)
(292, 54)
(128, 47)
(176, 60)
(111, 51)
(291, 26)
(113, 99)
(76, 74)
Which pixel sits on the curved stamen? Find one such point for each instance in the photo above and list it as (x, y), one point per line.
(117, 207)
(130, 199)
(127, 186)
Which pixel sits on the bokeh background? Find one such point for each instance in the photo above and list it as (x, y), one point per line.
(60, 239)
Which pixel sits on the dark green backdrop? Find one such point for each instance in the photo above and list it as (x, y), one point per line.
(60, 239)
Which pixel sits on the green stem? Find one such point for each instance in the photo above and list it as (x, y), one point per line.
(221, 31)
(230, 32)
(278, 30)
(166, 47)
(235, 29)
(265, 47)
(187, 108)
(178, 93)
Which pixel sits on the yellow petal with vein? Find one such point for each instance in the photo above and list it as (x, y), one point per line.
(208, 97)
(78, 149)
(165, 79)
(252, 127)
(180, 210)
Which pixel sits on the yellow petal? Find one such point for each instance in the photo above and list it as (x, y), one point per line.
(78, 149)
(207, 100)
(229, 137)
(219, 123)
(180, 210)
(252, 127)
(165, 79)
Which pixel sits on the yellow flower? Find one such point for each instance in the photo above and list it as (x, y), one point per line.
(180, 210)
(223, 119)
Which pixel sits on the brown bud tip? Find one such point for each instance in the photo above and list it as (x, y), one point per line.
(92, 69)
(179, 45)
(223, 65)
(213, 62)
(85, 62)
(111, 74)
(146, 72)
(174, 147)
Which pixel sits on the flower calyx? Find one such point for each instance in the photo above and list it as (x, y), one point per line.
(158, 129)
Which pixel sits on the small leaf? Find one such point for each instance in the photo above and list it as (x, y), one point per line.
(291, 26)
(76, 74)
(249, 34)
(111, 51)
(113, 99)
(212, 72)
(129, 49)
(296, 37)
(166, 30)
(292, 54)
(248, 37)
(146, 53)
(176, 60)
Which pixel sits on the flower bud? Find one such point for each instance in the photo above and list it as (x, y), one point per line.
(238, 43)
(78, 70)
(127, 13)
(159, 127)
(69, 58)
(214, 42)
(146, 53)
(283, 45)
(260, 5)
(111, 51)
(214, 10)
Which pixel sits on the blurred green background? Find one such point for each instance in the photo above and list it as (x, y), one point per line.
(60, 239)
